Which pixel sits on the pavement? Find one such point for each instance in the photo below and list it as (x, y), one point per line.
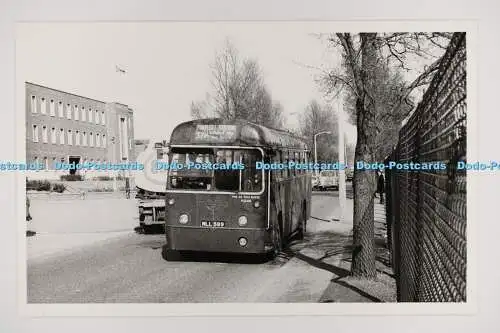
(64, 223)
(78, 259)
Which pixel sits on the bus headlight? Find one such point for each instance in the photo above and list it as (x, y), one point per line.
(183, 218)
(242, 220)
(256, 204)
(171, 201)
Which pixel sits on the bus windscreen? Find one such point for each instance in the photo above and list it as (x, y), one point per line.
(216, 169)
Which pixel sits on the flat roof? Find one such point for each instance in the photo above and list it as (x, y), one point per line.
(64, 92)
(216, 131)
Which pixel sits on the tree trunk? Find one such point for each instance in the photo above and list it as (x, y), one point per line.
(363, 255)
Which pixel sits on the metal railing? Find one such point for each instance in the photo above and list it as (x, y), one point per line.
(426, 209)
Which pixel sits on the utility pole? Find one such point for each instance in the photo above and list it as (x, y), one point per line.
(342, 161)
(316, 149)
(121, 72)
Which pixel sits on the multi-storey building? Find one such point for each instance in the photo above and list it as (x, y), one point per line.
(64, 127)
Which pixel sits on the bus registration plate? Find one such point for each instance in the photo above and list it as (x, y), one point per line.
(212, 224)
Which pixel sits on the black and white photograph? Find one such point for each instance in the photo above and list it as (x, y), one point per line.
(242, 162)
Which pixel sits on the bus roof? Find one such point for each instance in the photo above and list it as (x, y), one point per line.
(219, 132)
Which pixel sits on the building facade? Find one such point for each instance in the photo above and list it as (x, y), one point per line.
(64, 127)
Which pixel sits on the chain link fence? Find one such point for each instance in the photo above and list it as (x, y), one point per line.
(426, 209)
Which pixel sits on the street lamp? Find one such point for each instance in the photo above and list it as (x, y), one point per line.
(315, 148)
(342, 159)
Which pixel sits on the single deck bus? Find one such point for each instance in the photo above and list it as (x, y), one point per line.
(234, 209)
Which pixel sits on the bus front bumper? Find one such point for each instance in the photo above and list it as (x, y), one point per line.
(218, 240)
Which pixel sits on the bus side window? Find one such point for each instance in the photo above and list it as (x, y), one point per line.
(296, 160)
(284, 160)
(291, 172)
(277, 160)
(302, 171)
(306, 161)
(300, 161)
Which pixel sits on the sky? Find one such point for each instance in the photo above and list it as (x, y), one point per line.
(167, 64)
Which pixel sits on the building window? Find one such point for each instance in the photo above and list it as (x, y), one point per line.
(97, 117)
(104, 140)
(91, 139)
(52, 108)
(68, 111)
(60, 110)
(77, 114)
(103, 118)
(53, 135)
(77, 138)
(90, 115)
(84, 114)
(61, 136)
(45, 137)
(70, 137)
(97, 140)
(35, 133)
(84, 138)
(33, 104)
(43, 106)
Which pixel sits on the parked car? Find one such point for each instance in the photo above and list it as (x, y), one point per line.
(315, 182)
(349, 174)
(328, 179)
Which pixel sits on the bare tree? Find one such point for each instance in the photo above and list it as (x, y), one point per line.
(389, 83)
(317, 118)
(379, 99)
(239, 91)
(200, 109)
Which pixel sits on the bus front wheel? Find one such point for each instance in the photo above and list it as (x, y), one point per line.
(170, 255)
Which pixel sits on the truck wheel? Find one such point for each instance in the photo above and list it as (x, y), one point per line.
(148, 229)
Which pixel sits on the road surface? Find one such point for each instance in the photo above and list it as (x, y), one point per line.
(130, 269)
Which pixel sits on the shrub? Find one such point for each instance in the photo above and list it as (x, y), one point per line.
(38, 185)
(72, 178)
(104, 178)
(59, 188)
(104, 189)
